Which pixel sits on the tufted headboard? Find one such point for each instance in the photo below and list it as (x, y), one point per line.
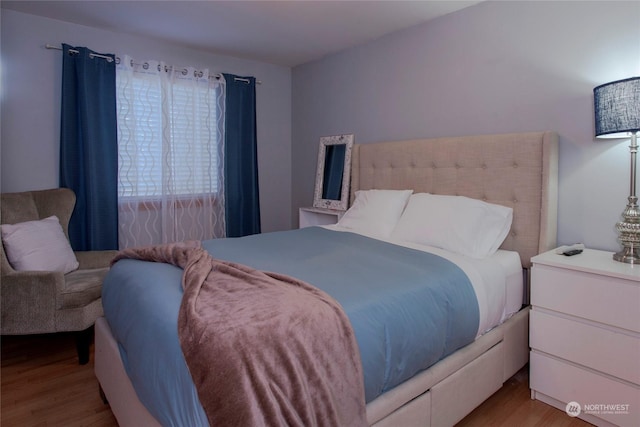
(518, 170)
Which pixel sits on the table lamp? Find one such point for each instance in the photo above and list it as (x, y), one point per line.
(617, 110)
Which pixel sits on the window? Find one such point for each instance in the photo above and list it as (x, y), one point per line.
(170, 145)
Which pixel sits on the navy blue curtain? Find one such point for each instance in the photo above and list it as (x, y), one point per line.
(242, 201)
(89, 147)
(333, 171)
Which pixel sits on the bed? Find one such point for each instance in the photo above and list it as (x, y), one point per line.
(518, 171)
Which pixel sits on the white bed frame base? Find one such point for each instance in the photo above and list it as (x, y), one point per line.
(454, 387)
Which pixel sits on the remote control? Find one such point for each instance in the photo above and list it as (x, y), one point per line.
(572, 252)
(562, 249)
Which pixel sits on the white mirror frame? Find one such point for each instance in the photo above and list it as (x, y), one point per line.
(342, 203)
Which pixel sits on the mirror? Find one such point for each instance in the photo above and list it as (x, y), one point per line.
(333, 172)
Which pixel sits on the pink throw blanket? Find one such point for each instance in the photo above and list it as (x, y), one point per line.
(263, 349)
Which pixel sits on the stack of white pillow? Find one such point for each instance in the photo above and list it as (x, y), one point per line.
(458, 224)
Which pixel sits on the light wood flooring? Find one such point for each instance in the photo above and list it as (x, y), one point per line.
(43, 385)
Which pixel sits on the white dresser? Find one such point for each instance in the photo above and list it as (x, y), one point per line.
(584, 336)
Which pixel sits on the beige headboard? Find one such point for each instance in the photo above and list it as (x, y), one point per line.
(517, 170)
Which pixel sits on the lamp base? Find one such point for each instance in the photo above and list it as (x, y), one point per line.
(630, 255)
(629, 228)
(629, 233)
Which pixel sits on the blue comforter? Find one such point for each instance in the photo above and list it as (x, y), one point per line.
(408, 309)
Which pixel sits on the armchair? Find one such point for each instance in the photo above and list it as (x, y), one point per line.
(36, 302)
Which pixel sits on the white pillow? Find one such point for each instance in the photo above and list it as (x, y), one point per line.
(375, 212)
(458, 224)
(38, 246)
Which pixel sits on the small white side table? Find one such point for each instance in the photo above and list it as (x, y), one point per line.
(310, 216)
(584, 335)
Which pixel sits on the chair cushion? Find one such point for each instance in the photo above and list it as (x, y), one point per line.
(38, 246)
(82, 287)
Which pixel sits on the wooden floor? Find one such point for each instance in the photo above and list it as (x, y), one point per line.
(43, 385)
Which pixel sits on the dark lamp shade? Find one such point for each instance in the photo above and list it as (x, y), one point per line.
(617, 108)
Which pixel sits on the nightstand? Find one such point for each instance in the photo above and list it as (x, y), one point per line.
(584, 335)
(318, 216)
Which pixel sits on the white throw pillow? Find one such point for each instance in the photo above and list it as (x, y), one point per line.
(375, 212)
(38, 246)
(458, 224)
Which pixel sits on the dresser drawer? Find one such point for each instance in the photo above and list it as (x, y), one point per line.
(608, 351)
(568, 383)
(609, 300)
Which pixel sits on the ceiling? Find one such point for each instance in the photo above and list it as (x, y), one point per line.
(286, 33)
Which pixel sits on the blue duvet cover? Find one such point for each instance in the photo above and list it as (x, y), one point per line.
(408, 309)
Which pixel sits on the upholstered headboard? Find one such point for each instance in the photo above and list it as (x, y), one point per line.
(516, 170)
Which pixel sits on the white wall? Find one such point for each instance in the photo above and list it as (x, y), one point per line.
(495, 67)
(31, 88)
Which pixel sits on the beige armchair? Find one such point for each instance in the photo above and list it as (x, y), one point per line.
(35, 302)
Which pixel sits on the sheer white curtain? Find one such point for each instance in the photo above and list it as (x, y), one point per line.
(170, 147)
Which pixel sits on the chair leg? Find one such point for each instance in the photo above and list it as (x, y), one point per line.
(83, 344)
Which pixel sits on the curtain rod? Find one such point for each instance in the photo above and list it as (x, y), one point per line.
(91, 55)
(109, 59)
